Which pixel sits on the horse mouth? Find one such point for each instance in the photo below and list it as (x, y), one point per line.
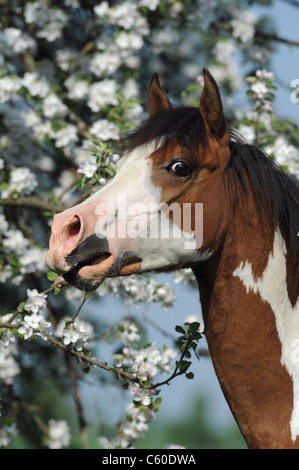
(87, 275)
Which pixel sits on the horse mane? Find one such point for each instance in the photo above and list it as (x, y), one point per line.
(276, 193)
(184, 123)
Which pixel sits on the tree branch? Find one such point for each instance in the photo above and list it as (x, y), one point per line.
(258, 33)
(32, 202)
(77, 399)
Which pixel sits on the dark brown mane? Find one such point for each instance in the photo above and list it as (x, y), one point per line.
(276, 193)
(186, 124)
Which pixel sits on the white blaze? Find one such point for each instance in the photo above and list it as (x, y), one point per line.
(136, 224)
(272, 287)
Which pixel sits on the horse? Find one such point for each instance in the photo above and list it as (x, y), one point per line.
(238, 233)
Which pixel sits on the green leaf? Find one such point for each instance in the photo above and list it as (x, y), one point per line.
(194, 326)
(180, 329)
(52, 276)
(190, 375)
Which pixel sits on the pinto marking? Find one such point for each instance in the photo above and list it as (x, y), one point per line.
(272, 288)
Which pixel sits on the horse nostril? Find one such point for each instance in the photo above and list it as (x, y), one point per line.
(70, 233)
(75, 227)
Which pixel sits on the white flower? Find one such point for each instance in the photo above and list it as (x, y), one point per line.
(150, 4)
(243, 25)
(130, 89)
(259, 89)
(184, 276)
(104, 63)
(142, 396)
(224, 50)
(25, 330)
(22, 181)
(34, 12)
(42, 130)
(101, 94)
(56, 20)
(9, 87)
(34, 324)
(70, 335)
(284, 153)
(77, 89)
(30, 118)
(105, 130)
(3, 224)
(33, 320)
(114, 157)
(59, 434)
(65, 136)
(7, 434)
(36, 85)
(18, 40)
(15, 242)
(102, 9)
(247, 132)
(89, 167)
(264, 75)
(135, 426)
(129, 41)
(77, 334)
(63, 58)
(9, 368)
(36, 301)
(165, 294)
(128, 332)
(53, 106)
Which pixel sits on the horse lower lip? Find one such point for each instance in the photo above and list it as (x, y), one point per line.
(90, 262)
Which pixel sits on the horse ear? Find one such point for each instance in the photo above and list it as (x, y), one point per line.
(211, 108)
(157, 99)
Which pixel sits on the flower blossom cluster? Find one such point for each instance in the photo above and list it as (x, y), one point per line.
(7, 434)
(145, 364)
(243, 24)
(76, 334)
(58, 434)
(138, 289)
(261, 90)
(94, 165)
(9, 367)
(34, 323)
(21, 182)
(285, 154)
(14, 243)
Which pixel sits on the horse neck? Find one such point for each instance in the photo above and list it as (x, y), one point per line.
(251, 328)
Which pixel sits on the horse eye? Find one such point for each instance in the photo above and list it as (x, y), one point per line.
(180, 168)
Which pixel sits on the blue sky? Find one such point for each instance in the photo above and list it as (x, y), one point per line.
(286, 58)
